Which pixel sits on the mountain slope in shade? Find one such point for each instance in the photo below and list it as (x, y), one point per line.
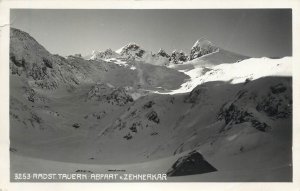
(163, 126)
(28, 58)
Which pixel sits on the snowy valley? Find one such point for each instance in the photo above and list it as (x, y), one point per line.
(143, 112)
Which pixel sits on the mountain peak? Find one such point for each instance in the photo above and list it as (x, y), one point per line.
(178, 57)
(95, 52)
(106, 54)
(131, 49)
(130, 45)
(202, 47)
(163, 53)
(202, 42)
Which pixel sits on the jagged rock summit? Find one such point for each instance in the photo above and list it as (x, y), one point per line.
(107, 54)
(201, 48)
(132, 49)
(178, 57)
(163, 53)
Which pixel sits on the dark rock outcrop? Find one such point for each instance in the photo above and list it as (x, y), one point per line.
(102, 92)
(76, 125)
(128, 136)
(178, 57)
(193, 163)
(232, 114)
(277, 104)
(153, 116)
(148, 105)
(197, 94)
(163, 53)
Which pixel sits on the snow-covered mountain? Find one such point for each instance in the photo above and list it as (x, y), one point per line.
(132, 51)
(108, 53)
(126, 110)
(201, 48)
(163, 53)
(199, 51)
(178, 57)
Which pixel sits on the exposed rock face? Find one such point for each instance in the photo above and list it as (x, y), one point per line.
(136, 52)
(153, 116)
(102, 92)
(132, 50)
(234, 115)
(21, 113)
(98, 90)
(277, 89)
(178, 57)
(277, 104)
(30, 59)
(76, 125)
(78, 55)
(32, 96)
(128, 136)
(108, 53)
(197, 94)
(201, 48)
(163, 53)
(249, 106)
(193, 163)
(120, 96)
(11, 149)
(148, 104)
(96, 115)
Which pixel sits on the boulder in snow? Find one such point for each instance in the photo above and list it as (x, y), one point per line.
(193, 163)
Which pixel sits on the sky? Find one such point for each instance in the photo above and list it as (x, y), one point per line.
(251, 32)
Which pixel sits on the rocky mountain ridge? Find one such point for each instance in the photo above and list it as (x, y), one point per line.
(200, 48)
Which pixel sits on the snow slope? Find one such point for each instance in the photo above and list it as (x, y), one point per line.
(184, 122)
(237, 72)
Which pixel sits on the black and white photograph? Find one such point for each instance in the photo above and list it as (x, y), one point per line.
(150, 95)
